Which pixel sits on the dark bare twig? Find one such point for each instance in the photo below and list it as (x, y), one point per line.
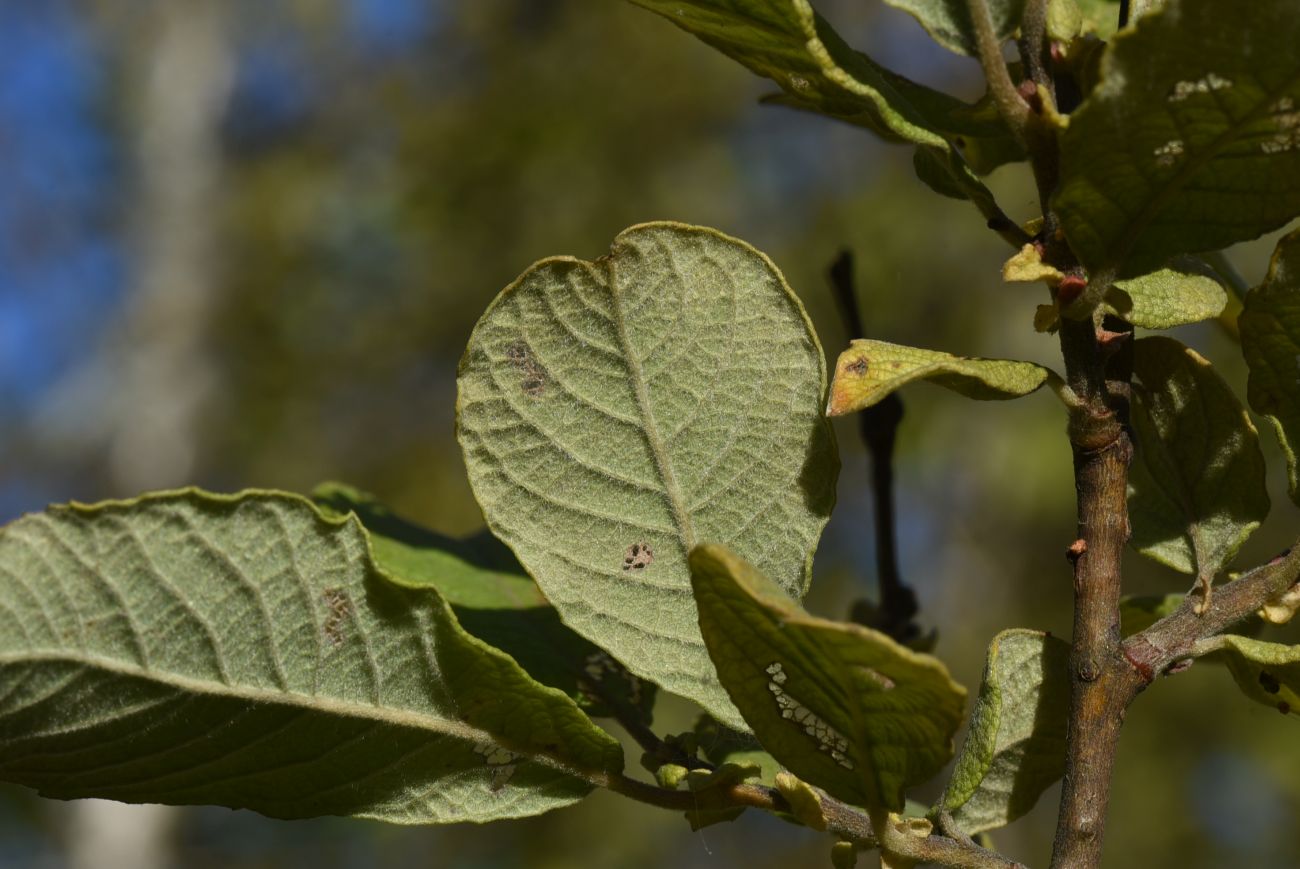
(878, 426)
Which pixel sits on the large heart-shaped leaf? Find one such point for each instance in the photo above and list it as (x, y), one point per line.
(494, 600)
(1197, 484)
(869, 370)
(1191, 141)
(246, 651)
(1270, 341)
(841, 706)
(1015, 748)
(614, 413)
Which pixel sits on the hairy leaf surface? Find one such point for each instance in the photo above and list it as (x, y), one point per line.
(1196, 490)
(1191, 141)
(869, 370)
(839, 705)
(1270, 341)
(615, 413)
(949, 21)
(497, 602)
(1015, 748)
(1268, 673)
(247, 651)
(1167, 298)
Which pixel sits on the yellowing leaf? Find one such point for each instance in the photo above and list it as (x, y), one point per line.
(869, 370)
(837, 704)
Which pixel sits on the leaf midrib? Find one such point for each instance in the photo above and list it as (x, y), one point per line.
(324, 705)
(672, 489)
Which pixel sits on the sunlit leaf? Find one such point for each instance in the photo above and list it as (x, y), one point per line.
(841, 706)
(1167, 298)
(1191, 141)
(1197, 484)
(615, 413)
(870, 370)
(1270, 341)
(1015, 748)
(128, 630)
(497, 602)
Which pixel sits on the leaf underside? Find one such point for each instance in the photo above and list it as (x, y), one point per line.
(1015, 748)
(1268, 673)
(494, 600)
(949, 21)
(246, 651)
(1196, 490)
(839, 705)
(1191, 141)
(614, 413)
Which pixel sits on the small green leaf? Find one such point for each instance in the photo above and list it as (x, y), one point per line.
(614, 413)
(1190, 142)
(247, 651)
(844, 855)
(1196, 490)
(1167, 298)
(1139, 612)
(1268, 673)
(497, 602)
(1270, 341)
(949, 21)
(870, 370)
(805, 802)
(841, 706)
(1015, 748)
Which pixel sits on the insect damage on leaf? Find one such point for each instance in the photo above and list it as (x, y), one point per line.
(533, 376)
(500, 761)
(829, 740)
(338, 609)
(638, 556)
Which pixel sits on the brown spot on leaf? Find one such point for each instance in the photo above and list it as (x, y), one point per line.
(338, 609)
(533, 376)
(1269, 682)
(857, 367)
(638, 557)
(1284, 707)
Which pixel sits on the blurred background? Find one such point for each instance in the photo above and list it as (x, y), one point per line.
(243, 244)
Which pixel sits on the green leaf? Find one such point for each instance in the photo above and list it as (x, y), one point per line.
(1139, 612)
(1196, 490)
(949, 21)
(614, 413)
(1015, 748)
(841, 706)
(497, 602)
(789, 43)
(1099, 17)
(1190, 142)
(1270, 341)
(247, 651)
(721, 744)
(1268, 673)
(869, 370)
(1167, 298)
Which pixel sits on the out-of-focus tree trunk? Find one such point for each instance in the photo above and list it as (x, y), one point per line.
(153, 377)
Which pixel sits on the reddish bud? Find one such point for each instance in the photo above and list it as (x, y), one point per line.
(1069, 289)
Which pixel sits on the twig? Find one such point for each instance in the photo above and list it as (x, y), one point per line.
(878, 426)
(1014, 110)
